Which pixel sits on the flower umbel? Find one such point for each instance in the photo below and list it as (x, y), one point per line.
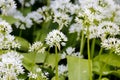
(55, 38)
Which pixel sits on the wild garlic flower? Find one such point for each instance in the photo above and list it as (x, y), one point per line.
(76, 27)
(55, 38)
(27, 3)
(71, 52)
(7, 6)
(7, 41)
(38, 74)
(62, 70)
(5, 28)
(37, 47)
(93, 32)
(62, 19)
(32, 75)
(10, 66)
(59, 5)
(108, 28)
(112, 44)
(46, 13)
(35, 16)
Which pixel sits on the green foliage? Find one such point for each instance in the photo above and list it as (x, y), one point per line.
(24, 44)
(9, 19)
(77, 68)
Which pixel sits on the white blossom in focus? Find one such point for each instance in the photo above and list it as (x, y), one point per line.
(112, 44)
(37, 47)
(10, 65)
(55, 38)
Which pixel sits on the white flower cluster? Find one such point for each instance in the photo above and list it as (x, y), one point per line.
(27, 3)
(112, 44)
(7, 6)
(46, 13)
(101, 16)
(10, 66)
(28, 20)
(37, 75)
(37, 47)
(7, 41)
(60, 12)
(71, 51)
(62, 70)
(55, 38)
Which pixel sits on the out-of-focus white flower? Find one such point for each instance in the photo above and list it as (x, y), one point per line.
(108, 28)
(46, 13)
(55, 38)
(10, 65)
(71, 52)
(37, 47)
(112, 44)
(27, 3)
(5, 28)
(32, 75)
(35, 16)
(62, 19)
(76, 27)
(7, 6)
(62, 70)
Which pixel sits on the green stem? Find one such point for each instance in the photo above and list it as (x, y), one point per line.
(56, 65)
(47, 54)
(88, 52)
(34, 58)
(48, 2)
(82, 42)
(101, 70)
(20, 33)
(93, 48)
(100, 52)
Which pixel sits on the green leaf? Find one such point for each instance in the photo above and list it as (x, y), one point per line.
(28, 61)
(113, 59)
(9, 19)
(51, 60)
(77, 68)
(97, 66)
(24, 44)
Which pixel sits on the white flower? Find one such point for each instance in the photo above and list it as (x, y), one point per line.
(93, 32)
(112, 44)
(76, 27)
(37, 47)
(35, 16)
(55, 38)
(32, 75)
(62, 69)
(62, 19)
(11, 65)
(7, 6)
(71, 52)
(5, 28)
(46, 13)
(108, 28)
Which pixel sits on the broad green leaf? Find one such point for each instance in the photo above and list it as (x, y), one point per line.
(97, 66)
(113, 59)
(51, 60)
(9, 19)
(77, 68)
(60, 78)
(24, 44)
(29, 61)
